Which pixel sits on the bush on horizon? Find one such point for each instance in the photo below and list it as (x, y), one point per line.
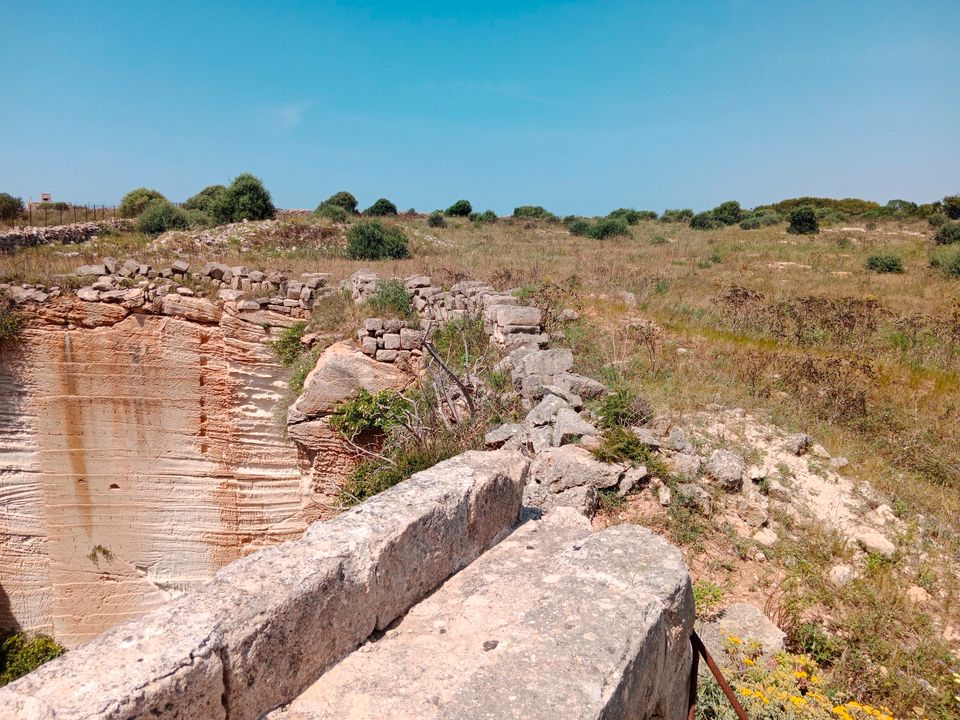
(757, 220)
(533, 212)
(370, 240)
(487, 216)
(136, 201)
(677, 215)
(951, 206)
(245, 199)
(435, 220)
(631, 216)
(461, 208)
(343, 200)
(381, 208)
(205, 199)
(10, 206)
(728, 213)
(331, 212)
(705, 221)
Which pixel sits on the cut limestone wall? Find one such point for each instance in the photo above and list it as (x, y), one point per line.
(138, 455)
(267, 626)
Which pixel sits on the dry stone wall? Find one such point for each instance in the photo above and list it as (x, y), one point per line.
(62, 234)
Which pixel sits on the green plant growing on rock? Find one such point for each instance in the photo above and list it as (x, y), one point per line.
(803, 221)
(287, 346)
(22, 653)
(461, 208)
(381, 208)
(370, 413)
(136, 201)
(11, 323)
(622, 408)
(393, 298)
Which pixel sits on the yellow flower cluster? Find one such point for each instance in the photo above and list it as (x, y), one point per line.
(788, 687)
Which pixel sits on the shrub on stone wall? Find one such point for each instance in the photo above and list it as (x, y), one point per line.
(370, 240)
(22, 653)
(393, 298)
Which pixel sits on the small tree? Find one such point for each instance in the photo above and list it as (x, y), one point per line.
(803, 221)
(10, 206)
(381, 208)
(461, 208)
(435, 220)
(344, 200)
(136, 201)
(245, 199)
(728, 213)
(534, 212)
(951, 206)
(160, 216)
(205, 199)
(370, 240)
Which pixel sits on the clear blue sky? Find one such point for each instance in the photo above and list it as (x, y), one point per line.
(578, 106)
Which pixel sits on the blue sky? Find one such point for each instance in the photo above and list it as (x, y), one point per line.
(579, 106)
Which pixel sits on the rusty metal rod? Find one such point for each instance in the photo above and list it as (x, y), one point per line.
(721, 681)
(694, 672)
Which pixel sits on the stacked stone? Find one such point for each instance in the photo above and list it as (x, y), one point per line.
(63, 234)
(391, 341)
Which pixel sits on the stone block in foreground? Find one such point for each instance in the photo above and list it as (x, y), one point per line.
(267, 626)
(554, 622)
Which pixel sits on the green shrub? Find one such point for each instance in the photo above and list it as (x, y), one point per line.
(705, 221)
(609, 227)
(533, 212)
(287, 346)
(392, 297)
(435, 220)
(370, 413)
(659, 240)
(136, 201)
(836, 217)
(728, 213)
(884, 263)
(951, 206)
(22, 653)
(631, 216)
(205, 199)
(461, 208)
(197, 218)
(10, 206)
(374, 476)
(580, 227)
(677, 215)
(370, 240)
(623, 407)
(938, 219)
(947, 260)
(803, 221)
(11, 322)
(343, 200)
(761, 219)
(487, 216)
(948, 234)
(381, 208)
(331, 212)
(245, 199)
(160, 216)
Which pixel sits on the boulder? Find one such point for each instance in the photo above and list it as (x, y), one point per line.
(498, 436)
(569, 426)
(585, 387)
(341, 370)
(685, 465)
(841, 574)
(560, 468)
(726, 468)
(743, 621)
(546, 410)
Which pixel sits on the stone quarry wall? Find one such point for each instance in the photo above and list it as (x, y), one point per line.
(138, 455)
